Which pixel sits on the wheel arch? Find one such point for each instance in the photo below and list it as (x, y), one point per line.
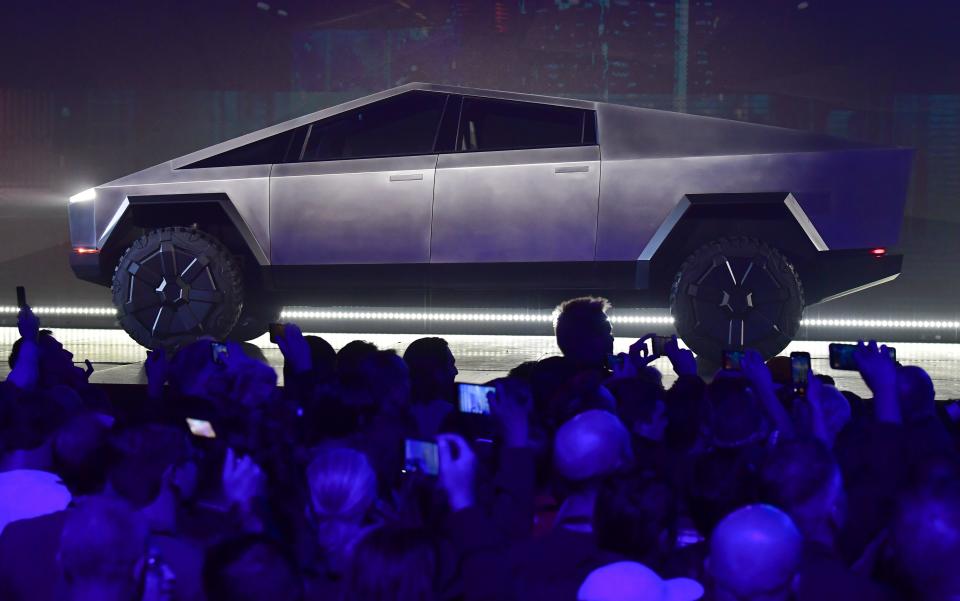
(213, 213)
(774, 218)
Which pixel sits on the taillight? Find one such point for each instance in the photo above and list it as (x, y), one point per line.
(83, 250)
(878, 252)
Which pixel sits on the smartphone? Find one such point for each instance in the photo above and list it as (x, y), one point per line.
(800, 369)
(658, 345)
(614, 361)
(21, 297)
(421, 456)
(219, 352)
(842, 356)
(201, 428)
(731, 359)
(277, 330)
(473, 398)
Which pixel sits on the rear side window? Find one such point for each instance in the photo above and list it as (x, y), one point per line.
(487, 124)
(402, 125)
(262, 152)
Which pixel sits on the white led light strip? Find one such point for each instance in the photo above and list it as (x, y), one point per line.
(333, 315)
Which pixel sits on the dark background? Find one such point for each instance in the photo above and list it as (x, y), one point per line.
(90, 91)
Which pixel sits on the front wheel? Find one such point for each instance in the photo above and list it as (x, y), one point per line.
(176, 284)
(736, 293)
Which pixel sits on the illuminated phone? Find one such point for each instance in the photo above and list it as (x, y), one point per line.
(800, 370)
(731, 359)
(421, 456)
(614, 361)
(658, 345)
(201, 428)
(219, 351)
(842, 356)
(277, 330)
(473, 398)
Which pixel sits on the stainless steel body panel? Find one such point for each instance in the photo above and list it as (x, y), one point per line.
(247, 188)
(516, 206)
(356, 211)
(637, 195)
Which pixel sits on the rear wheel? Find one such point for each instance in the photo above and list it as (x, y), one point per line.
(736, 293)
(175, 284)
(255, 318)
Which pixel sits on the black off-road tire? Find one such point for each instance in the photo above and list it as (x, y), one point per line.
(255, 319)
(175, 284)
(736, 292)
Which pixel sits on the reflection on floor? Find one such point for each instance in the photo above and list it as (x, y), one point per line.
(479, 358)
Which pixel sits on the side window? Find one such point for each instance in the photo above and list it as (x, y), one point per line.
(488, 124)
(402, 125)
(262, 152)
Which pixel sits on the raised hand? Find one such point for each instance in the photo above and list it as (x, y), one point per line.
(641, 354)
(879, 372)
(756, 372)
(28, 324)
(295, 350)
(242, 480)
(511, 405)
(683, 361)
(458, 467)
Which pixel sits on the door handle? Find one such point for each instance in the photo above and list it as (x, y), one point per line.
(405, 177)
(572, 169)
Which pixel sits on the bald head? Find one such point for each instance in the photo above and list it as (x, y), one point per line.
(590, 445)
(755, 551)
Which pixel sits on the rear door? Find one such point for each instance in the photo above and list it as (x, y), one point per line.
(360, 190)
(521, 184)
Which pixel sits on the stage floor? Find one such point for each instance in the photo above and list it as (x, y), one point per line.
(117, 359)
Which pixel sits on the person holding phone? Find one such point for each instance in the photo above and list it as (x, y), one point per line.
(433, 391)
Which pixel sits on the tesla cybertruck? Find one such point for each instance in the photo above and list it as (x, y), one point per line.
(737, 227)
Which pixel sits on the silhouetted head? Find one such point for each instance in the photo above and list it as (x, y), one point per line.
(584, 333)
(250, 568)
(736, 418)
(631, 581)
(915, 393)
(56, 363)
(80, 453)
(433, 369)
(351, 355)
(323, 360)
(640, 405)
(102, 542)
(591, 445)
(802, 478)
(343, 488)
(926, 539)
(386, 379)
(392, 563)
(146, 458)
(754, 554)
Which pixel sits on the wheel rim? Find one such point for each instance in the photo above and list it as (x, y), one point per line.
(737, 300)
(172, 291)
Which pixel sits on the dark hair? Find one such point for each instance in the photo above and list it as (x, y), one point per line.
(636, 399)
(15, 349)
(386, 378)
(636, 517)
(351, 356)
(250, 568)
(141, 454)
(735, 417)
(427, 359)
(30, 421)
(795, 475)
(392, 563)
(81, 453)
(577, 319)
(915, 393)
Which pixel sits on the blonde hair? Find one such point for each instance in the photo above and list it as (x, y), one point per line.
(343, 488)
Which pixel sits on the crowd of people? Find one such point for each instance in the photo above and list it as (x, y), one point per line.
(583, 482)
